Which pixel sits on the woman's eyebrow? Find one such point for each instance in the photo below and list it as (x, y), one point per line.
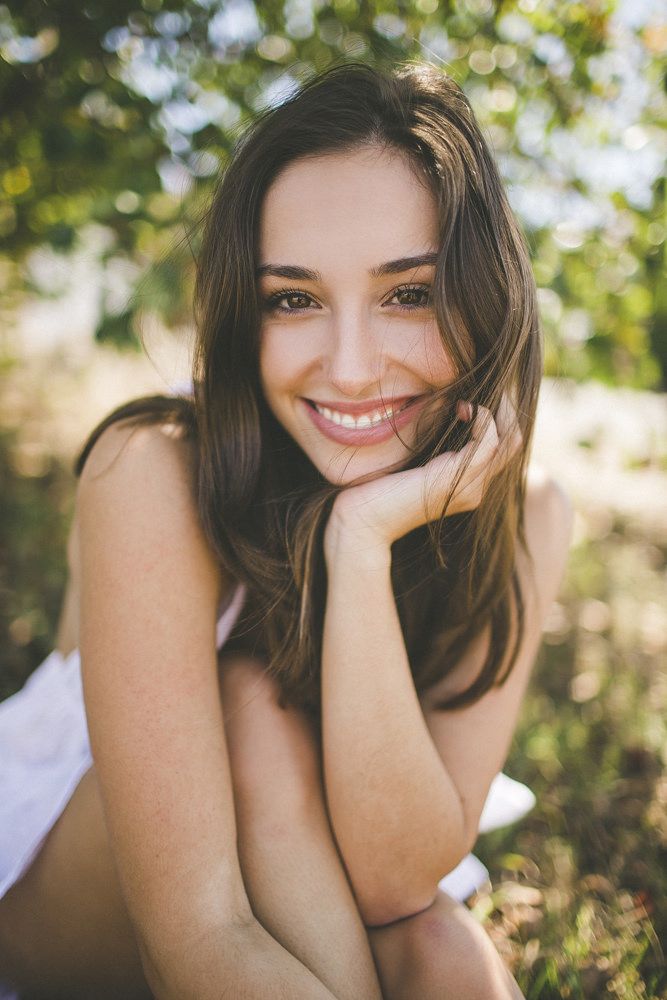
(305, 274)
(288, 271)
(404, 264)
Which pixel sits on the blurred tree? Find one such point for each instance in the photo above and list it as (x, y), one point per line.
(116, 119)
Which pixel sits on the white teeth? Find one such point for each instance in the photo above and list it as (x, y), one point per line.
(347, 420)
(378, 416)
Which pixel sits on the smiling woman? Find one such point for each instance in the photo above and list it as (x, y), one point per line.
(305, 601)
(353, 355)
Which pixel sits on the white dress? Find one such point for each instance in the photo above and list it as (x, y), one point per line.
(45, 751)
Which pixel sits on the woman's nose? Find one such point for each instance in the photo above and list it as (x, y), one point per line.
(354, 356)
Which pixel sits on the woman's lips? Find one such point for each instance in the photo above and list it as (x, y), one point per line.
(364, 435)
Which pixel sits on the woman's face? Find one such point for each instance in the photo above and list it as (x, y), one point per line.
(348, 330)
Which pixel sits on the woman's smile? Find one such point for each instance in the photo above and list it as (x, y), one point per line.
(363, 424)
(351, 352)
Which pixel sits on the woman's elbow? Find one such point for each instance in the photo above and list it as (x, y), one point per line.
(397, 902)
(386, 912)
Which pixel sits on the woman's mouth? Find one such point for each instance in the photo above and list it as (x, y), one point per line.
(370, 426)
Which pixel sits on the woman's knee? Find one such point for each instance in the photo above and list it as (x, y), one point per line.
(446, 952)
(434, 932)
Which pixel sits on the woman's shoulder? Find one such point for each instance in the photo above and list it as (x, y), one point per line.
(139, 481)
(141, 469)
(126, 446)
(548, 522)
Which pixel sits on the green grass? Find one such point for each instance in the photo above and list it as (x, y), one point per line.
(578, 905)
(579, 898)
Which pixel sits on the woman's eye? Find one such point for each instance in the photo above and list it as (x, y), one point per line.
(292, 300)
(296, 301)
(413, 296)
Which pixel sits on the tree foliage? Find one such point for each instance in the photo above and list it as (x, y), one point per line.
(118, 117)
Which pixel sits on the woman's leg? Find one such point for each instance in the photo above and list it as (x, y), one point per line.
(64, 928)
(294, 878)
(441, 953)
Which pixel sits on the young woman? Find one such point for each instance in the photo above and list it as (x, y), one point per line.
(307, 600)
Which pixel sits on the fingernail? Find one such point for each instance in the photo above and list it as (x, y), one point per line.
(464, 410)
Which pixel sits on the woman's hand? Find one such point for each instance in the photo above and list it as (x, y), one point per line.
(375, 514)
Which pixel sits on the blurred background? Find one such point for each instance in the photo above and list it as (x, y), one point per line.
(115, 120)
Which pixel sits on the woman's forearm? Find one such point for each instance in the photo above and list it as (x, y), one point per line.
(395, 811)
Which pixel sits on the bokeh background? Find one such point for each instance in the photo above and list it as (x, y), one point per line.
(115, 120)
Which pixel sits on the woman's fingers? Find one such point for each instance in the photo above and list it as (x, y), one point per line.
(466, 469)
(509, 432)
(493, 442)
(405, 500)
(484, 437)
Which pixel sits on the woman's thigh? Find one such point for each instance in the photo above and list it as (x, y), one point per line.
(64, 928)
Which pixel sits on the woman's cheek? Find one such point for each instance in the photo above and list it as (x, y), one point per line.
(428, 356)
(279, 367)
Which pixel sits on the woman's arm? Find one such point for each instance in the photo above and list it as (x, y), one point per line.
(405, 786)
(149, 596)
(394, 809)
(398, 819)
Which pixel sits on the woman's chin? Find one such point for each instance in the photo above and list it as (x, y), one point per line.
(345, 470)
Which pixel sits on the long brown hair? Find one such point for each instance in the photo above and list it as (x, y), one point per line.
(262, 503)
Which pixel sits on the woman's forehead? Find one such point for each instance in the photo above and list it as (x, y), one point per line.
(364, 202)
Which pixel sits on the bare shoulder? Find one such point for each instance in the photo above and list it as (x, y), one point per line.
(124, 448)
(137, 491)
(548, 522)
(139, 465)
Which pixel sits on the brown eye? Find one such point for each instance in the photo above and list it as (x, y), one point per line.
(413, 296)
(297, 300)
